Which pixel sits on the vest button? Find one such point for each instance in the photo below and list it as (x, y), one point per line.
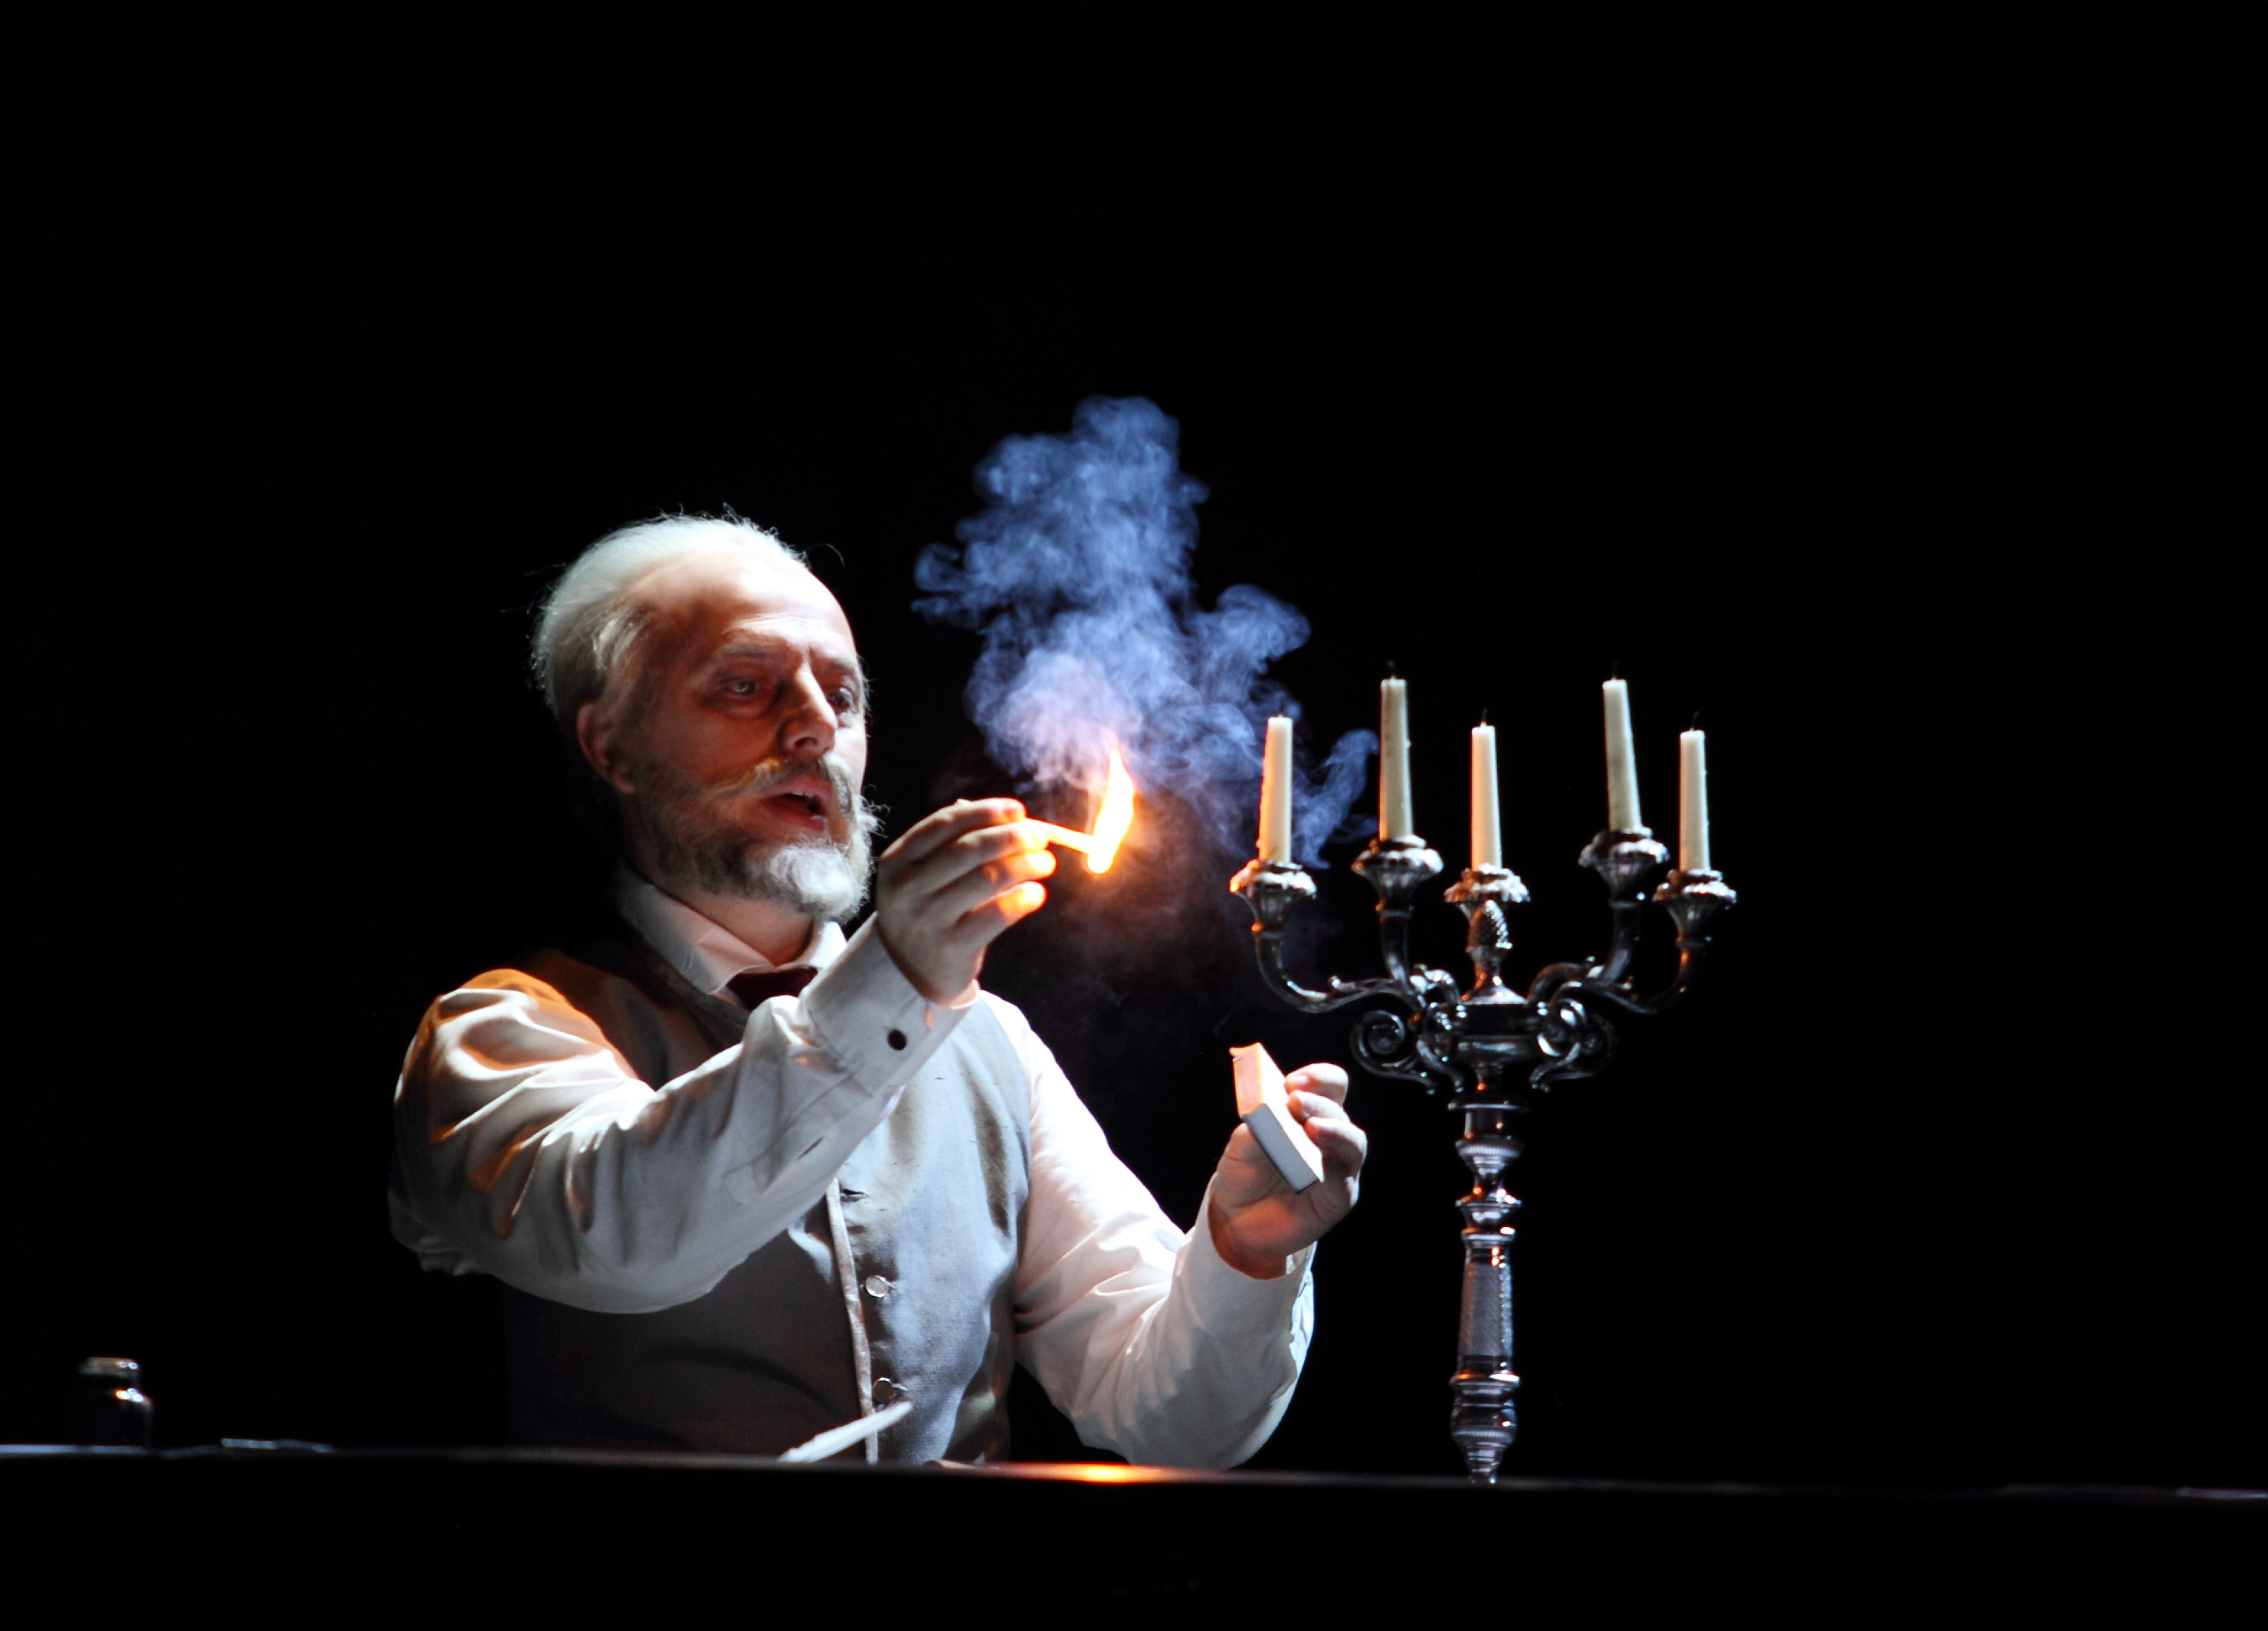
(876, 1287)
(896, 1039)
(885, 1390)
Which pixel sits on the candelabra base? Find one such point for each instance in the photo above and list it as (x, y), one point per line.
(1484, 1422)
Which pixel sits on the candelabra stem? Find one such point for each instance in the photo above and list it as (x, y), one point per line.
(1483, 1420)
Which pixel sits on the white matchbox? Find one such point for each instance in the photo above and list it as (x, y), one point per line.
(1266, 1108)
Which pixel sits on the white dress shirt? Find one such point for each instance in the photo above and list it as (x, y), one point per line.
(527, 1148)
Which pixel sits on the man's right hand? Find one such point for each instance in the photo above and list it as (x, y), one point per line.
(951, 885)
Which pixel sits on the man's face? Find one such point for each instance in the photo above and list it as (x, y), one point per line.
(741, 744)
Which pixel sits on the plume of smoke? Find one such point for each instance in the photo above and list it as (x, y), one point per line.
(1076, 573)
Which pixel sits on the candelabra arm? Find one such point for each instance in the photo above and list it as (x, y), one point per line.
(1336, 993)
(1626, 862)
(1394, 943)
(1629, 920)
(1423, 1049)
(1272, 889)
(1608, 972)
(1414, 1048)
(1571, 1003)
(1398, 868)
(1693, 899)
(1552, 976)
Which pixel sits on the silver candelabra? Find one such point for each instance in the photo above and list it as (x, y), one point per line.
(1472, 1043)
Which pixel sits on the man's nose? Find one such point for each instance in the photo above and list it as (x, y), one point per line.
(808, 729)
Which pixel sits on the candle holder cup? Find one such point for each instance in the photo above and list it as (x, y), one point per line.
(1491, 1048)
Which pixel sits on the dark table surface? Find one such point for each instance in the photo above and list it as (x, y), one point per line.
(1110, 1538)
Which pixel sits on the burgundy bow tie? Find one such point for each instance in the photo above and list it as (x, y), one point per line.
(754, 986)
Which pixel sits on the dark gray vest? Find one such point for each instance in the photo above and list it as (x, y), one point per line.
(931, 1211)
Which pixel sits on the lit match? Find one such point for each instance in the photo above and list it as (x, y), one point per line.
(1066, 837)
(1100, 846)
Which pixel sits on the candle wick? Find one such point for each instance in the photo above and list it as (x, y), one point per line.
(1696, 720)
(1484, 718)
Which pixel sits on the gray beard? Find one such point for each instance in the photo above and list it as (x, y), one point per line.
(818, 878)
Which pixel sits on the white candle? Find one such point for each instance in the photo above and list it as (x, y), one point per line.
(1622, 762)
(1394, 820)
(1693, 802)
(1488, 838)
(1276, 793)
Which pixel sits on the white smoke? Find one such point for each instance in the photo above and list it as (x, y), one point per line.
(1076, 573)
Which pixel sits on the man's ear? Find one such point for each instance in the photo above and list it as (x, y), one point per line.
(595, 732)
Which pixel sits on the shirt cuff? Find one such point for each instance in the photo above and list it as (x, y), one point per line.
(866, 1013)
(1224, 1297)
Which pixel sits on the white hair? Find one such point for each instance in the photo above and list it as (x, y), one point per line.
(592, 624)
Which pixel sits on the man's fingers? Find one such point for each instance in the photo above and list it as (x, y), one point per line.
(1330, 1080)
(932, 833)
(1345, 1146)
(966, 854)
(1306, 1101)
(966, 874)
(996, 917)
(973, 890)
(926, 836)
(989, 845)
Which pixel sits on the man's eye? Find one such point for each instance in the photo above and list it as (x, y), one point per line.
(846, 702)
(741, 688)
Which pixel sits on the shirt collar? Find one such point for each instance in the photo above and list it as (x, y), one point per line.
(706, 952)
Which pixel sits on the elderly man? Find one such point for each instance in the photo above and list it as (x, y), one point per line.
(745, 1179)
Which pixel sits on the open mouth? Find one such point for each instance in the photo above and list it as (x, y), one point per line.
(808, 806)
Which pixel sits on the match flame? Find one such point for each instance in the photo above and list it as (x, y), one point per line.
(1114, 817)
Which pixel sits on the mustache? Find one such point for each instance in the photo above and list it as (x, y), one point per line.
(766, 774)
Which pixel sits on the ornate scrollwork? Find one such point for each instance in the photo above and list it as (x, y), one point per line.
(1574, 1042)
(1387, 1044)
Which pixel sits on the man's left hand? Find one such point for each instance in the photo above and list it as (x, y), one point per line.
(1257, 1220)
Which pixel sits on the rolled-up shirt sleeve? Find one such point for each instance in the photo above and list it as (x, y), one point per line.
(526, 1146)
(1139, 1333)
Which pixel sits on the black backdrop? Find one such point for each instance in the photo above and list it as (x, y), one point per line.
(1899, 456)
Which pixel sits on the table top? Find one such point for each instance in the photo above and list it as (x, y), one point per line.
(282, 1452)
(1128, 1533)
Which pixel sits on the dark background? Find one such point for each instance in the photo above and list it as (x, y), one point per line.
(1897, 439)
